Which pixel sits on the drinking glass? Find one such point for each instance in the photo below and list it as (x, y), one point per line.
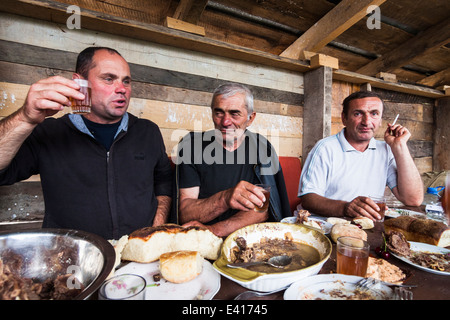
(352, 256)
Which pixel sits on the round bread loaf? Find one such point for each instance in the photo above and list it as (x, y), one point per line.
(180, 266)
(347, 230)
(364, 222)
(333, 221)
(148, 244)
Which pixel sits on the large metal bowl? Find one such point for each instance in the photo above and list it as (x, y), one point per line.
(91, 258)
(265, 282)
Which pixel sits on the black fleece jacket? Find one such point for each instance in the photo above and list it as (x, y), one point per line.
(87, 188)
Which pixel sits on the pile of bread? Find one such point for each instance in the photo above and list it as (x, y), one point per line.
(180, 251)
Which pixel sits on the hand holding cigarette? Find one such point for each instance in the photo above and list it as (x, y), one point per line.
(396, 133)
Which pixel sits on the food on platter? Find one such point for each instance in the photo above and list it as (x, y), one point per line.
(335, 287)
(16, 287)
(302, 218)
(397, 243)
(180, 266)
(435, 261)
(383, 270)
(364, 222)
(334, 221)
(147, 244)
(302, 255)
(347, 230)
(420, 230)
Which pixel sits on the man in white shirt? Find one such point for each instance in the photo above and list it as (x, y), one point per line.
(342, 171)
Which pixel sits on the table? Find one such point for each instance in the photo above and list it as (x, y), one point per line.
(430, 286)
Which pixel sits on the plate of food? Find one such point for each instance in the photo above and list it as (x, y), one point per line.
(203, 287)
(427, 257)
(397, 212)
(303, 217)
(335, 287)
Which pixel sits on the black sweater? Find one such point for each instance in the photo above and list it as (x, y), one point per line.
(87, 188)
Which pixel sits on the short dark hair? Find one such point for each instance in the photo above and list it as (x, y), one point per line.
(358, 95)
(84, 60)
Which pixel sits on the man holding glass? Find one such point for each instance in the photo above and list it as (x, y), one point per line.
(342, 171)
(105, 172)
(219, 169)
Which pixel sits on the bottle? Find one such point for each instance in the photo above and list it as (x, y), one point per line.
(445, 200)
(432, 203)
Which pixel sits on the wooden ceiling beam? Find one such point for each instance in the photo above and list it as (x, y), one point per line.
(329, 27)
(420, 45)
(190, 10)
(437, 79)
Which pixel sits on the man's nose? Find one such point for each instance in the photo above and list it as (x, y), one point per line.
(365, 119)
(226, 120)
(120, 88)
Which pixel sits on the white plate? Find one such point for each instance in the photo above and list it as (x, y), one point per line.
(326, 226)
(332, 287)
(203, 287)
(424, 247)
(395, 213)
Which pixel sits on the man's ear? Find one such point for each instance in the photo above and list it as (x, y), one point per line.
(343, 118)
(251, 117)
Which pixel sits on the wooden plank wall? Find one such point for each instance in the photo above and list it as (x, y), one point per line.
(416, 113)
(171, 87)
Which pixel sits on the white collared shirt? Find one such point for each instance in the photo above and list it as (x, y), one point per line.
(336, 170)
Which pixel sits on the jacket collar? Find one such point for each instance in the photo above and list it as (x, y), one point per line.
(78, 122)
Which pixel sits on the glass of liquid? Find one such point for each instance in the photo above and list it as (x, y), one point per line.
(352, 256)
(266, 190)
(82, 106)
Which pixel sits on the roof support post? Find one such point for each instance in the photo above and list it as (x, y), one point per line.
(317, 107)
(441, 160)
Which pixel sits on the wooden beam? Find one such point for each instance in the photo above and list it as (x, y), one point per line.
(329, 27)
(54, 11)
(441, 160)
(184, 26)
(321, 60)
(420, 45)
(190, 10)
(357, 78)
(317, 107)
(437, 79)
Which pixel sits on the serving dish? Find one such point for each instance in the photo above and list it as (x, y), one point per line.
(266, 282)
(204, 287)
(334, 287)
(424, 247)
(397, 212)
(42, 251)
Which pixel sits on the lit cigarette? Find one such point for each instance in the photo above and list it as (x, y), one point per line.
(395, 120)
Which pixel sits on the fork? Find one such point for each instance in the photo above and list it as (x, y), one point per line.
(402, 294)
(368, 283)
(250, 294)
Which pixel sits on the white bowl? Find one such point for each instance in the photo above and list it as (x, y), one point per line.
(266, 282)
